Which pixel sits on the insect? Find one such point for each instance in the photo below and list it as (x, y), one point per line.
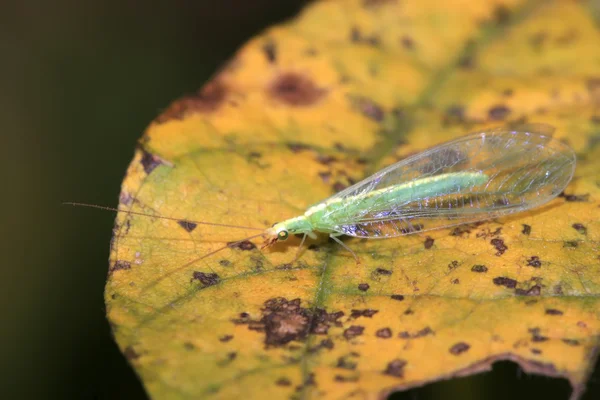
(478, 177)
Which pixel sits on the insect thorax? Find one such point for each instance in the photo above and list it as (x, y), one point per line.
(317, 217)
(295, 225)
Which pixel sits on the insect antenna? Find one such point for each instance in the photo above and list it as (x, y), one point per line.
(119, 210)
(195, 260)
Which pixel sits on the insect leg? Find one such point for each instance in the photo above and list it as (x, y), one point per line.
(334, 237)
(299, 249)
(411, 228)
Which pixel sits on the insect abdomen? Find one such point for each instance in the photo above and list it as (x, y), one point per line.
(332, 213)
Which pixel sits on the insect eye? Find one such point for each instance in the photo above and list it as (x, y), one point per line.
(282, 235)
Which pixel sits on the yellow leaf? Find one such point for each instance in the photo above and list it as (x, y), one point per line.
(310, 107)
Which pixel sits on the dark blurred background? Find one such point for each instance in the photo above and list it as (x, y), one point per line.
(80, 81)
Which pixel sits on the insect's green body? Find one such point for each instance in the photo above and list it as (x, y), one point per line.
(324, 218)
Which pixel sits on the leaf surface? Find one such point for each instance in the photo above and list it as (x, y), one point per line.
(301, 112)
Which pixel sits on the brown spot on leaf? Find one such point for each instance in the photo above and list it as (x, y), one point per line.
(536, 336)
(358, 37)
(398, 297)
(187, 225)
(189, 346)
(322, 320)
(534, 261)
(395, 368)
(270, 50)
(120, 265)
(283, 382)
(326, 344)
(498, 112)
(581, 198)
(130, 353)
(553, 311)
(326, 159)
(460, 230)
(338, 186)
(285, 320)
(325, 176)
(341, 378)
(502, 14)
(420, 333)
(580, 228)
(571, 342)
(149, 161)
(297, 147)
(345, 362)
(368, 108)
(363, 313)
(499, 245)
(308, 381)
(383, 271)
(428, 243)
(455, 281)
(207, 99)
(455, 113)
(126, 198)
(423, 332)
(384, 333)
(207, 279)
(526, 229)
(535, 290)
(459, 348)
(557, 289)
(571, 244)
(407, 42)
(295, 90)
(245, 245)
(503, 281)
(536, 351)
(479, 268)
(353, 331)
(225, 338)
(453, 265)
(363, 287)
(485, 233)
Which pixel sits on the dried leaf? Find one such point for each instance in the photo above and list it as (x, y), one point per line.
(301, 112)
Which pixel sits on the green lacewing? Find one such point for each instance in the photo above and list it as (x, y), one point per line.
(477, 177)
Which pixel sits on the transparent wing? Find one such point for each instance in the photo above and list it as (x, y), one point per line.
(520, 170)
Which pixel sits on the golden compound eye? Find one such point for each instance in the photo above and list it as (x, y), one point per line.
(282, 235)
